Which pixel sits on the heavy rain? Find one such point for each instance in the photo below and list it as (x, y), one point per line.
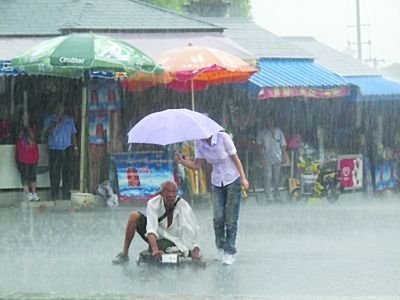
(310, 151)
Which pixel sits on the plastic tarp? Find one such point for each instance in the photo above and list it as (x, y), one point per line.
(374, 88)
(285, 78)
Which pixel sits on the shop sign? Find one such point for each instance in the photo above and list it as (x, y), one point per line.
(290, 92)
(6, 69)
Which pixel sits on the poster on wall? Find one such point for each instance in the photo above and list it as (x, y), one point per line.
(104, 101)
(98, 127)
(386, 175)
(351, 171)
(140, 174)
(104, 95)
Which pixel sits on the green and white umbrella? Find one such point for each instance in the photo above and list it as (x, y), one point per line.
(72, 55)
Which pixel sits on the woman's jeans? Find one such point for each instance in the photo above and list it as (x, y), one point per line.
(226, 215)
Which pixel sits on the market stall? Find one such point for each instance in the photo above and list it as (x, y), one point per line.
(35, 96)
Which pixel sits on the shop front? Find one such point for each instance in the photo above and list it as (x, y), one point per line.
(307, 102)
(9, 174)
(377, 107)
(35, 96)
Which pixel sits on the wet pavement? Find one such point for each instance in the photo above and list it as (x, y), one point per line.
(346, 250)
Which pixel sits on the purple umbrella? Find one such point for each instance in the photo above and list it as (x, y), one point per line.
(173, 126)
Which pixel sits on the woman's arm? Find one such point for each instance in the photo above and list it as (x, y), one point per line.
(239, 167)
(285, 156)
(195, 164)
(31, 133)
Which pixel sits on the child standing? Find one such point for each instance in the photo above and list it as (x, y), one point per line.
(27, 157)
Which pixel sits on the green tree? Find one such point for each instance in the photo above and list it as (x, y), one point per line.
(392, 71)
(175, 5)
(238, 8)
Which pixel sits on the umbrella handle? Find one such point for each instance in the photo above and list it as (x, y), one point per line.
(192, 88)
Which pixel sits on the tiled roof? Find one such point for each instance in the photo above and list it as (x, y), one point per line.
(52, 17)
(332, 59)
(131, 14)
(32, 17)
(257, 40)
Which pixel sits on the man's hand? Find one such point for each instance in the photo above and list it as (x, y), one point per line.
(196, 254)
(245, 183)
(157, 253)
(76, 151)
(285, 160)
(178, 157)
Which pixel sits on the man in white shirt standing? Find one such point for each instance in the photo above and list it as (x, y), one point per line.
(273, 154)
(168, 218)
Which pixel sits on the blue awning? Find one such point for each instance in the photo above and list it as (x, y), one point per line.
(283, 78)
(375, 88)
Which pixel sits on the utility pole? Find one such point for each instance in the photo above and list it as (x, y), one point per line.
(374, 61)
(358, 25)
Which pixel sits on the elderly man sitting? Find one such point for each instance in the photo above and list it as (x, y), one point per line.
(169, 221)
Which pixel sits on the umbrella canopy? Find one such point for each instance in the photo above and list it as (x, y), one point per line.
(195, 68)
(173, 126)
(71, 55)
(75, 54)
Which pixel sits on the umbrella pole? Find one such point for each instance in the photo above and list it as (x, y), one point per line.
(192, 88)
(82, 180)
(196, 172)
(196, 179)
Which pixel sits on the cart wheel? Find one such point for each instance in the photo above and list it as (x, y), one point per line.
(199, 264)
(333, 192)
(295, 195)
(203, 264)
(332, 195)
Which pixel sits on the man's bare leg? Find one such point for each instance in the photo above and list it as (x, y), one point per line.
(130, 230)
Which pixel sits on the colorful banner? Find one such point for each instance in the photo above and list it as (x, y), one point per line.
(289, 92)
(140, 174)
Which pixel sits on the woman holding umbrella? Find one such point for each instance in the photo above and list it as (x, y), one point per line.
(227, 179)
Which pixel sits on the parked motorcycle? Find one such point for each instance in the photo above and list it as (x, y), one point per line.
(317, 180)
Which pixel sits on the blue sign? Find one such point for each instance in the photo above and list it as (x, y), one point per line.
(140, 174)
(6, 69)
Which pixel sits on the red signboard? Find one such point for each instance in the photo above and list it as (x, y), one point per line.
(351, 171)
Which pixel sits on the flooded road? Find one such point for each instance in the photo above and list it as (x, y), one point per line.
(346, 250)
